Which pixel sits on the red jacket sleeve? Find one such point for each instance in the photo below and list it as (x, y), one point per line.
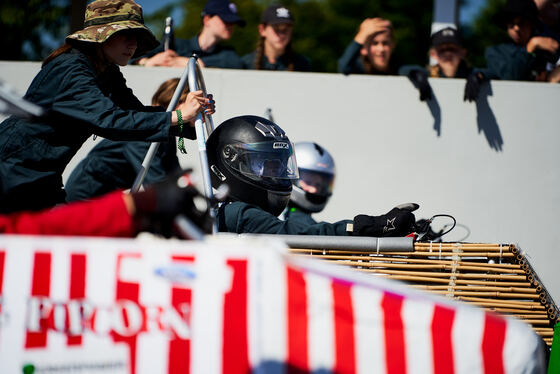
(103, 216)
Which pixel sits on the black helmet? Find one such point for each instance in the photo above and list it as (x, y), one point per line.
(255, 158)
(316, 177)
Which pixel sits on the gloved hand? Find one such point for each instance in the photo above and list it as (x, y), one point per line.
(420, 80)
(398, 222)
(157, 206)
(472, 87)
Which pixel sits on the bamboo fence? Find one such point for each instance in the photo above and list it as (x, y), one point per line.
(496, 277)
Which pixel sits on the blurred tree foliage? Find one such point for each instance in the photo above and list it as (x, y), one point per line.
(484, 32)
(25, 25)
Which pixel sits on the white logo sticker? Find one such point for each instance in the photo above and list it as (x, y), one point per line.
(280, 145)
(282, 13)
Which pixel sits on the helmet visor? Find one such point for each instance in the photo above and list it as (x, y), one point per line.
(262, 160)
(315, 182)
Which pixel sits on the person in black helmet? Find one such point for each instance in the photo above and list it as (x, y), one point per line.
(255, 158)
(311, 192)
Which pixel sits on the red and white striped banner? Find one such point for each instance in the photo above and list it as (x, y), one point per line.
(231, 305)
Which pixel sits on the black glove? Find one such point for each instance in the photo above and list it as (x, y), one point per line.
(398, 222)
(157, 206)
(472, 87)
(420, 80)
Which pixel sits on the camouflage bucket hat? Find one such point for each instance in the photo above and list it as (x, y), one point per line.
(103, 18)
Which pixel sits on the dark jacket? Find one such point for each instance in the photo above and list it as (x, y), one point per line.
(218, 56)
(509, 61)
(301, 63)
(297, 216)
(351, 62)
(240, 217)
(34, 153)
(113, 165)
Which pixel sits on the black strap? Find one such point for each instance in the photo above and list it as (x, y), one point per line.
(110, 19)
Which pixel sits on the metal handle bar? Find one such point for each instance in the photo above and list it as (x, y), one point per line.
(155, 145)
(202, 128)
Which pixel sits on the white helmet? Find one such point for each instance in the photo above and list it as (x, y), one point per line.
(316, 177)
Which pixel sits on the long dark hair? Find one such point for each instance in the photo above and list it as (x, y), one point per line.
(259, 55)
(93, 51)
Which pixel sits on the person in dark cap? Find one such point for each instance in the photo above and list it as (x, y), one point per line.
(449, 61)
(274, 48)
(526, 56)
(448, 54)
(83, 92)
(219, 18)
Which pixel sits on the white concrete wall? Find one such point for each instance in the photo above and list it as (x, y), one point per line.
(493, 165)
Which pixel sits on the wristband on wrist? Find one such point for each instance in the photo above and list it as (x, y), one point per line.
(181, 142)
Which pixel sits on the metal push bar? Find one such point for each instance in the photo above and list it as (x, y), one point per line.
(155, 145)
(202, 128)
(192, 76)
(349, 243)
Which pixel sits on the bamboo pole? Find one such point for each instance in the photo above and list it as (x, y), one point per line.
(475, 282)
(442, 280)
(450, 254)
(538, 305)
(493, 306)
(526, 316)
(544, 333)
(447, 275)
(486, 294)
(373, 263)
(420, 247)
(411, 278)
(427, 254)
(466, 246)
(409, 260)
(466, 288)
(502, 303)
(536, 313)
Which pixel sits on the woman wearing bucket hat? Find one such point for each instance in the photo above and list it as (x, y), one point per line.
(84, 93)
